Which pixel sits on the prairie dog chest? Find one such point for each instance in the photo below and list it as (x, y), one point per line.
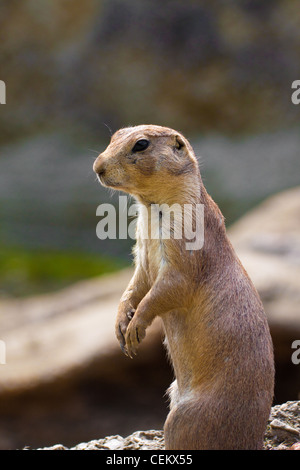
(151, 245)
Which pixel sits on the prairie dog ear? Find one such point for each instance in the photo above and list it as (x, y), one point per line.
(179, 142)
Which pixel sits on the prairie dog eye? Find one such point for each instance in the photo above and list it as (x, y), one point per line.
(141, 145)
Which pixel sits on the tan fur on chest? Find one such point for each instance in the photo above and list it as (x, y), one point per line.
(151, 245)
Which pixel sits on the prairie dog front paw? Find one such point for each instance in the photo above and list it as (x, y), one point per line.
(135, 333)
(123, 319)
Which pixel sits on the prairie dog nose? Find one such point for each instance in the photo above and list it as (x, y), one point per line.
(98, 166)
(101, 171)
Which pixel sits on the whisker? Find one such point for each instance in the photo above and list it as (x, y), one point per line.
(94, 150)
(110, 131)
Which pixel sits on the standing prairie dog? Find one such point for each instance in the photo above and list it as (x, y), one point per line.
(216, 330)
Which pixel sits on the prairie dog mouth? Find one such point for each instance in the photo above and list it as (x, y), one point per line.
(107, 182)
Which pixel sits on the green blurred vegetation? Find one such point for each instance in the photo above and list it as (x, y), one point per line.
(27, 272)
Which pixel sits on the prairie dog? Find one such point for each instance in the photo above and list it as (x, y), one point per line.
(216, 330)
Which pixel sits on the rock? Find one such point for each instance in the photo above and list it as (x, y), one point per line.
(283, 429)
(55, 447)
(295, 446)
(140, 440)
(109, 443)
(281, 434)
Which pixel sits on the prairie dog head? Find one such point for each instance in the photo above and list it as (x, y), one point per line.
(149, 162)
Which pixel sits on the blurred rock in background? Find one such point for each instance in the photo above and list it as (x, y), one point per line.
(220, 72)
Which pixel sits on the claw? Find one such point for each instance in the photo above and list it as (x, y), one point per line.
(130, 354)
(122, 342)
(123, 349)
(121, 333)
(130, 314)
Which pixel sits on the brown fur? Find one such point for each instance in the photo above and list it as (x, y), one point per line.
(216, 329)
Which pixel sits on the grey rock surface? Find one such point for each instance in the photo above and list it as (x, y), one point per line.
(283, 429)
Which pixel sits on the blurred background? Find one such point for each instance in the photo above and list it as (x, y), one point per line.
(218, 71)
